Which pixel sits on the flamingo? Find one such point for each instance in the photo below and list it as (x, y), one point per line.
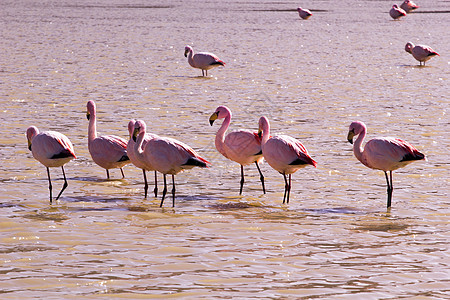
(421, 53)
(396, 12)
(202, 60)
(243, 146)
(166, 155)
(386, 154)
(304, 13)
(107, 151)
(52, 149)
(284, 154)
(409, 6)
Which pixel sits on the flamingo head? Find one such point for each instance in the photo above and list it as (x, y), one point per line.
(408, 47)
(220, 113)
(354, 129)
(263, 126)
(187, 49)
(32, 131)
(90, 109)
(131, 127)
(139, 127)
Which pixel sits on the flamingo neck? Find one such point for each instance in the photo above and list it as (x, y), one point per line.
(220, 135)
(266, 134)
(92, 130)
(357, 146)
(191, 58)
(138, 145)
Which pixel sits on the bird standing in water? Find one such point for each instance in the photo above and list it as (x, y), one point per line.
(202, 60)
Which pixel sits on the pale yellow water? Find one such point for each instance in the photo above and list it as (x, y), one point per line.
(335, 240)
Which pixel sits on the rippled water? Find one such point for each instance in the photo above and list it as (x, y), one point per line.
(311, 78)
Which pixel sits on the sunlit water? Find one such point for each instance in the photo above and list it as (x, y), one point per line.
(311, 78)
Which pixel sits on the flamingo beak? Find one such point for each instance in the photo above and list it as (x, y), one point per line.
(29, 145)
(213, 117)
(186, 52)
(350, 136)
(260, 132)
(135, 133)
(88, 115)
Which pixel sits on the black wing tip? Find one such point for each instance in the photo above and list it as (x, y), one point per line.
(413, 156)
(63, 154)
(124, 158)
(193, 161)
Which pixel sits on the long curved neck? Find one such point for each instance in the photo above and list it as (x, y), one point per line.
(357, 146)
(220, 135)
(266, 134)
(138, 145)
(92, 130)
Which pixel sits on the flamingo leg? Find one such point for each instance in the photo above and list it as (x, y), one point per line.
(173, 190)
(156, 186)
(49, 184)
(164, 191)
(286, 186)
(65, 185)
(123, 175)
(242, 179)
(145, 184)
(261, 177)
(390, 188)
(289, 189)
(107, 174)
(203, 73)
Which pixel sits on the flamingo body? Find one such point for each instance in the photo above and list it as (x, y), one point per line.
(108, 151)
(52, 149)
(408, 6)
(386, 154)
(283, 153)
(202, 60)
(396, 12)
(241, 146)
(421, 53)
(304, 13)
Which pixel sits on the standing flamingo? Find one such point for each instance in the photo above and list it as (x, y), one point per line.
(396, 12)
(135, 160)
(386, 154)
(421, 53)
(108, 151)
(202, 60)
(52, 149)
(409, 6)
(284, 154)
(304, 13)
(243, 146)
(166, 155)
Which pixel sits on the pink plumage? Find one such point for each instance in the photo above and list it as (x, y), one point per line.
(107, 151)
(408, 6)
(284, 154)
(202, 60)
(396, 12)
(386, 154)
(304, 13)
(52, 149)
(241, 146)
(421, 53)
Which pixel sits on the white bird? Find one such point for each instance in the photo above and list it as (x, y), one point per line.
(421, 53)
(202, 60)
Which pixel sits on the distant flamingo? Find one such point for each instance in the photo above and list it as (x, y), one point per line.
(396, 12)
(108, 151)
(52, 149)
(409, 6)
(421, 53)
(134, 158)
(166, 155)
(202, 60)
(304, 13)
(243, 146)
(386, 154)
(284, 154)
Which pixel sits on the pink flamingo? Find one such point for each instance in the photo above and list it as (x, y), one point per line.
(409, 6)
(202, 60)
(166, 155)
(396, 12)
(284, 154)
(304, 13)
(108, 151)
(135, 160)
(386, 154)
(421, 53)
(52, 149)
(243, 146)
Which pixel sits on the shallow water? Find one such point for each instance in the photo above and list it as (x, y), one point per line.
(311, 78)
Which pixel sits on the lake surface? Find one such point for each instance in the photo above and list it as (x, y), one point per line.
(335, 239)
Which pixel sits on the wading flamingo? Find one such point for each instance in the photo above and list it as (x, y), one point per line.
(386, 154)
(166, 155)
(284, 154)
(243, 146)
(396, 12)
(409, 6)
(304, 13)
(421, 53)
(134, 158)
(202, 60)
(107, 151)
(52, 149)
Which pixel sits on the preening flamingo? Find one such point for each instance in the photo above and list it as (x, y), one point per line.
(52, 149)
(421, 53)
(284, 154)
(386, 154)
(107, 151)
(242, 146)
(304, 13)
(396, 12)
(202, 60)
(409, 6)
(166, 155)
(136, 161)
